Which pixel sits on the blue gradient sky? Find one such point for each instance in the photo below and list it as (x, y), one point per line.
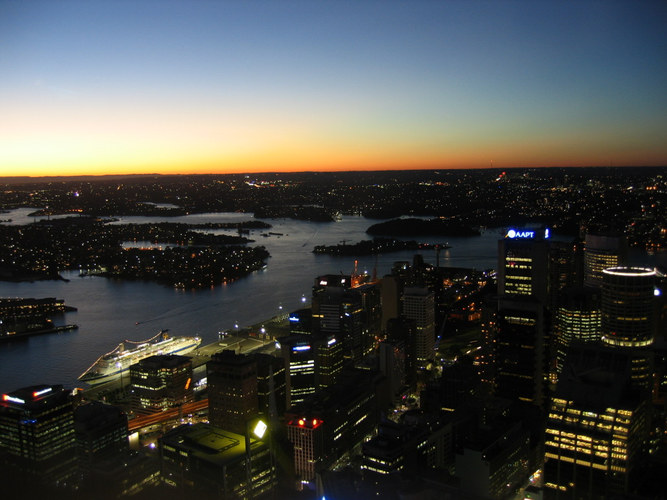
(172, 86)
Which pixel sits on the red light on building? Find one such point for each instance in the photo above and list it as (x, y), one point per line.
(301, 422)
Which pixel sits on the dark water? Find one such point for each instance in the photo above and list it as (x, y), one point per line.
(110, 311)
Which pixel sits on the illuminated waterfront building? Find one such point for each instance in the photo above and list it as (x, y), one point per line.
(628, 316)
(160, 382)
(602, 252)
(417, 304)
(596, 427)
(37, 439)
(232, 390)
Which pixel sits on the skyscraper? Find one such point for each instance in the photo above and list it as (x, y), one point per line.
(418, 305)
(596, 427)
(628, 316)
(232, 389)
(37, 435)
(160, 382)
(523, 259)
(522, 323)
(602, 252)
(578, 319)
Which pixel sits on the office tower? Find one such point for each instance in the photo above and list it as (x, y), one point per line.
(205, 461)
(299, 354)
(37, 439)
(564, 271)
(523, 257)
(457, 386)
(160, 382)
(519, 350)
(602, 252)
(410, 448)
(328, 360)
(596, 427)
(578, 319)
(494, 464)
(628, 316)
(337, 310)
(271, 385)
(485, 357)
(418, 305)
(371, 306)
(332, 422)
(232, 390)
(391, 289)
(101, 433)
(301, 321)
(391, 354)
(404, 330)
(522, 347)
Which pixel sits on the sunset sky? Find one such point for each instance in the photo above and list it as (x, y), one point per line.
(113, 87)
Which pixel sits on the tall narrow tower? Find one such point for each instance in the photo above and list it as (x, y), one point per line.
(628, 316)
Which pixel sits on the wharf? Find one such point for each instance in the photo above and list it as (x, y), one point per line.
(258, 337)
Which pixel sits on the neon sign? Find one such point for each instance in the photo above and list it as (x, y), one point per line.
(301, 348)
(513, 233)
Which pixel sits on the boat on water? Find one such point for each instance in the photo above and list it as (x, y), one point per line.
(111, 365)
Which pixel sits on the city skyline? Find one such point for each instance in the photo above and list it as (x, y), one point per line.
(95, 88)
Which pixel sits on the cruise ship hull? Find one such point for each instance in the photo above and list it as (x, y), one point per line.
(107, 368)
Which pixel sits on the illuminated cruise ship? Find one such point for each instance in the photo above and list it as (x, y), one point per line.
(112, 364)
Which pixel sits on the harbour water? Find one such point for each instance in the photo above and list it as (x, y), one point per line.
(110, 311)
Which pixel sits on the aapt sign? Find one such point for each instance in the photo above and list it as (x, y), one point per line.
(525, 234)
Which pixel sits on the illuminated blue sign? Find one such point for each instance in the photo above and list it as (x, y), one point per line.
(294, 319)
(513, 233)
(301, 348)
